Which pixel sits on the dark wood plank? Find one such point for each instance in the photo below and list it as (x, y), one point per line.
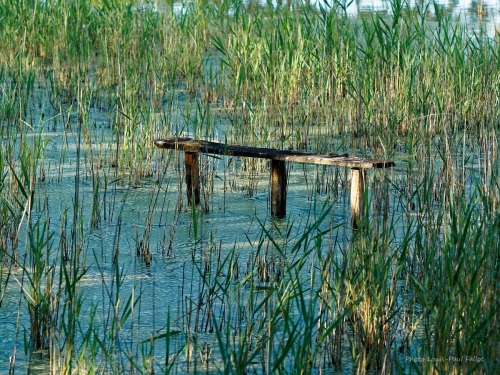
(278, 188)
(192, 177)
(190, 145)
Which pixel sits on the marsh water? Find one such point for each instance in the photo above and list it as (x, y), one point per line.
(152, 211)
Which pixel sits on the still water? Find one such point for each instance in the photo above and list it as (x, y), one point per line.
(473, 14)
(236, 220)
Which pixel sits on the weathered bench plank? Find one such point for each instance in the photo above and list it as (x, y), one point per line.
(278, 169)
(189, 145)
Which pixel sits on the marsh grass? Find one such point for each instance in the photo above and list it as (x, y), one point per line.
(86, 86)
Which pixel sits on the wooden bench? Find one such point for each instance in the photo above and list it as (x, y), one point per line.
(278, 158)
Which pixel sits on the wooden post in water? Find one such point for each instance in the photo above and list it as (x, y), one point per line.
(357, 196)
(192, 177)
(278, 188)
(278, 169)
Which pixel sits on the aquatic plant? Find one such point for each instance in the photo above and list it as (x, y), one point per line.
(86, 200)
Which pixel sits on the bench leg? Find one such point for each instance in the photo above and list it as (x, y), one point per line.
(357, 196)
(192, 177)
(278, 188)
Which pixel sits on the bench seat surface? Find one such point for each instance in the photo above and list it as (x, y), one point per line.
(207, 147)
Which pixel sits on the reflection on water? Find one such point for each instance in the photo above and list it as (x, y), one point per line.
(233, 221)
(483, 13)
(474, 14)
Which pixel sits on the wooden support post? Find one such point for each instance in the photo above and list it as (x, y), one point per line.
(278, 188)
(278, 169)
(357, 196)
(192, 177)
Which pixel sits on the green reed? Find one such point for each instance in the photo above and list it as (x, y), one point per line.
(419, 282)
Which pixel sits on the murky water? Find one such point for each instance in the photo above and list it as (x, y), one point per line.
(238, 212)
(236, 217)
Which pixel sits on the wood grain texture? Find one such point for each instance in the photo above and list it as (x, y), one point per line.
(357, 197)
(189, 145)
(192, 177)
(278, 188)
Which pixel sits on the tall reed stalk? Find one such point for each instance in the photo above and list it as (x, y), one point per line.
(86, 86)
